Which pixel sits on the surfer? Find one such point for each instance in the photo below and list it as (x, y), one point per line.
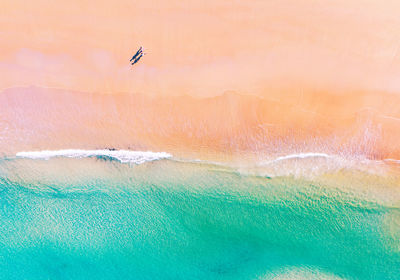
(137, 59)
(139, 51)
(138, 55)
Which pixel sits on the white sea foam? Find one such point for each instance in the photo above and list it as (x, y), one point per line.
(303, 155)
(301, 164)
(297, 156)
(314, 164)
(124, 156)
(392, 160)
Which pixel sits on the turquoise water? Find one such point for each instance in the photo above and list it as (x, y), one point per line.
(100, 219)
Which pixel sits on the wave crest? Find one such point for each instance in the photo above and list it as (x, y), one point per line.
(124, 156)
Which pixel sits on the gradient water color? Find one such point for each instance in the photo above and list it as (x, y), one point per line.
(97, 218)
(255, 140)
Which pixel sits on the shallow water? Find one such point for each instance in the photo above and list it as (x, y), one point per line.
(101, 219)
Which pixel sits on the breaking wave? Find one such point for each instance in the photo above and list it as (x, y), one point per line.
(299, 165)
(124, 156)
(303, 155)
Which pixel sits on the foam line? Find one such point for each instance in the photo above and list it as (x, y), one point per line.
(124, 156)
(302, 155)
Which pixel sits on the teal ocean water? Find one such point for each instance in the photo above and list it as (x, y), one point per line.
(96, 218)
